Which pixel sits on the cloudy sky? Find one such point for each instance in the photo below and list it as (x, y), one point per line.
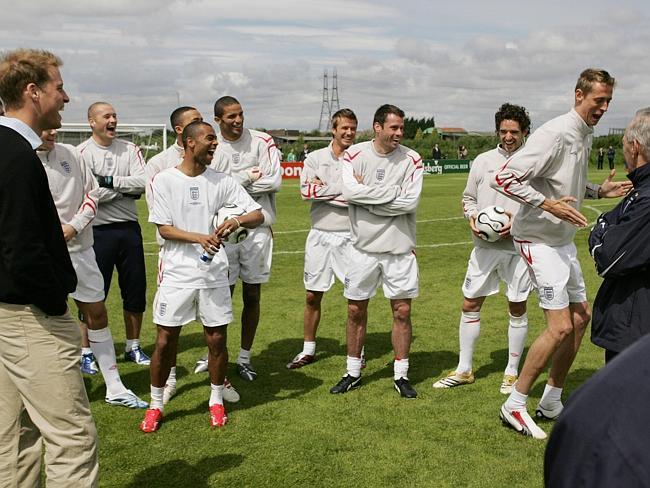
(457, 61)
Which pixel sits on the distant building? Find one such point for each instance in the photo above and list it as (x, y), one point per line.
(451, 132)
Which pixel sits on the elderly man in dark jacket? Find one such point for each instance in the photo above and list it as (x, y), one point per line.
(619, 246)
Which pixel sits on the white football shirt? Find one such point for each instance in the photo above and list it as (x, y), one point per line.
(190, 203)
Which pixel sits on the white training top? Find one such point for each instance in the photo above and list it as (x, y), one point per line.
(124, 162)
(552, 164)
(382, 208)
(189, 204)
(329, 210)
(253, 148)
(478, 193)
(170, 157)
(74, 190)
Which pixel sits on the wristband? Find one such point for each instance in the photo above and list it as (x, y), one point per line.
(236, 220)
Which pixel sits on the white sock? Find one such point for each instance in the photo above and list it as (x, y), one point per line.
(131, 344)
(517, 333)
(157, 397)
(551, 395)
(171, 379)
(516, 400)
(244, 357)
(101, 343)
(216, 394)
(401, 368)
(354, 366)
(363, 352)
(86, 350)
(309, 348)
(468, 332)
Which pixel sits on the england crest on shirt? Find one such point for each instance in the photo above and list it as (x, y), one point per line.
(380, 174)
(66, 167)
(194, 192)
(235, 159)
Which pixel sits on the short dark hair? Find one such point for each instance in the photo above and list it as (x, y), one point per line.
(383, 112)
(175, 117)
(222, 103)
(590, 76)
(192, 129)
(517, 113)
(93, 106)
(344, 113)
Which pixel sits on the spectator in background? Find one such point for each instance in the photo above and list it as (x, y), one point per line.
(619, 247)
(611, 154)
(291, 157)
(436, 153)
(305, 151)
(601, 157)
(462, 152)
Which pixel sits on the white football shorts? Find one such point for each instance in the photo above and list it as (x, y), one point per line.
(90, 282)
(173, 307)
(488, 267)
(397, 273)
(250, 260)
(555, 272)
(326, 257)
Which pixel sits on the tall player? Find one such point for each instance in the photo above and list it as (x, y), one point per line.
(328, 242)
(119, 168)
(185, 200)
(549, 177)
(75, 193)
(492, 262)
(382, 181)
(253, 160)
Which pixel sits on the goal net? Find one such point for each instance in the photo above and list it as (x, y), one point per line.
(151, 138)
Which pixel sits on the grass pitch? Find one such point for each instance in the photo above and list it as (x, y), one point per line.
(288, 430)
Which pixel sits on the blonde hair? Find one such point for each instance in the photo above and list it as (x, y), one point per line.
(21, 67)
(590, 76)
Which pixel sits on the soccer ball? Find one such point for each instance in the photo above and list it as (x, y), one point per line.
(490, 221)
(226, 212)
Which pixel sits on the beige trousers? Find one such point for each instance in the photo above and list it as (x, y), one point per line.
(40, 378)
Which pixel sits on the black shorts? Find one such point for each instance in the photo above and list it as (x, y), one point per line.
(119, 246)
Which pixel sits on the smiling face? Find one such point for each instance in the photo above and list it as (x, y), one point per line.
(50, 100)
(389, 135)
(591, 106)
(203, 145)
(344, 132)
(231, 122)
(48, 137)
(103, 122)
(510, 135)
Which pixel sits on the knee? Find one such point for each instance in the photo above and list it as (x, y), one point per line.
(517, 309)
(402, 313)
(581, 320)
(356, 313)
(96, 317)
(313, 299)
(471, 305)
(251, 296)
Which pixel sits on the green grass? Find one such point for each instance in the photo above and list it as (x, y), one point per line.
(288, 430)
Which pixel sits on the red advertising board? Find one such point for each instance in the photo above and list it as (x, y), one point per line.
(291, 169)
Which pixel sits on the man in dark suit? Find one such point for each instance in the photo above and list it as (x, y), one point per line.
(39, 339)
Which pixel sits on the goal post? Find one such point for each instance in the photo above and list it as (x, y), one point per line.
(151, 138)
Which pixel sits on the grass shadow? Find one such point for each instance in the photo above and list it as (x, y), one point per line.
(179, 472)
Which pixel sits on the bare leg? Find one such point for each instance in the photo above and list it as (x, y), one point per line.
(250, 315)
(133, 324)
(356, 326)
(566, 353)
(312, 314)
(216, 339)
(163, 354)
(402, 330)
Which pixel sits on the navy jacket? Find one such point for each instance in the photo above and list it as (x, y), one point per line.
(620, 246)
(601, 438)
(35, 266)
